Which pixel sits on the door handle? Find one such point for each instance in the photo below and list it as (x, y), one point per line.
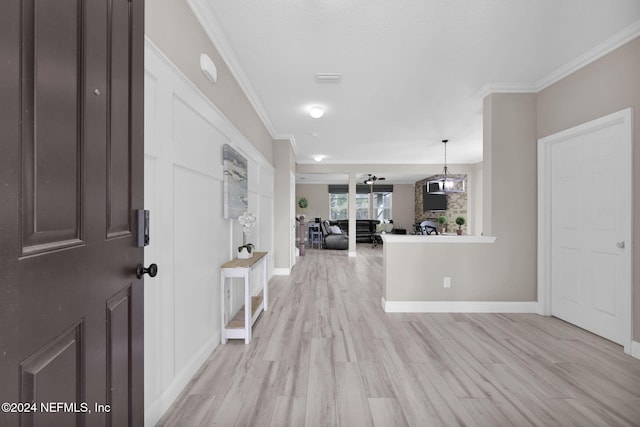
(152, 271)
(620, 245)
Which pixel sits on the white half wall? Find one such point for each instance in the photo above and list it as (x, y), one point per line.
(189, 239)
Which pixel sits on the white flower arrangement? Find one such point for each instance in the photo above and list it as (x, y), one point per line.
(247, 221)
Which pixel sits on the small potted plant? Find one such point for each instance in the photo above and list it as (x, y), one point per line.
(460, 221)
(248, 221)
(244, 251)
(442, 219)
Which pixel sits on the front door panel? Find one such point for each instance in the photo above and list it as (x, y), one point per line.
(71, 176)
(52, 71)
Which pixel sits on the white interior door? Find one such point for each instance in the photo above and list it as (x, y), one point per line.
(590, 177)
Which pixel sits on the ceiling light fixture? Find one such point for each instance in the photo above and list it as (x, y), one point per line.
(317, 158)
(446, 182)
(329, 77)
(372, 178)
(316, 112)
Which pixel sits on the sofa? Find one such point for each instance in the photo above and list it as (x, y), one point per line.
(364, 228)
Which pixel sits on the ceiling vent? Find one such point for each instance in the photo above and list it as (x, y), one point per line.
(328, 77)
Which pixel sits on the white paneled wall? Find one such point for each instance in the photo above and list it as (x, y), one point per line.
(190, 239)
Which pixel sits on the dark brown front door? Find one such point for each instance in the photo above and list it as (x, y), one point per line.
(71, 178)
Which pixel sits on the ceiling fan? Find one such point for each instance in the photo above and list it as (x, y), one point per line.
(372, 178)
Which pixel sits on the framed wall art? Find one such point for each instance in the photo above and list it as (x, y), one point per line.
(236, 200)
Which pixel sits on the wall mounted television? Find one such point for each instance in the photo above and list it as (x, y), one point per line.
(433, 202)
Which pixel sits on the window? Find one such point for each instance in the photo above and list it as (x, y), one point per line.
(338, 206)
(382, 206)
(376, 205)
(362, 206)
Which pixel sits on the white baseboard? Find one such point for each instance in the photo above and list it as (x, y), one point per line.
(281, 272)
(157, 408)
(635, 349)
(459, 306)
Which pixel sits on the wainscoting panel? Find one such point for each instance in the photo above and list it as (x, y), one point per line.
(190, 239)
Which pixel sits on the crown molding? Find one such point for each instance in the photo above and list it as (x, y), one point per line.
(490, 88)
(291, 139)
(209, 23)
(612, 43)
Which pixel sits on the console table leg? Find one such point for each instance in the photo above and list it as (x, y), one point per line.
(247, 307)
(223, 334)
(265, 281)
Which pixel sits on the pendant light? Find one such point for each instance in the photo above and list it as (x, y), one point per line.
(446, 183)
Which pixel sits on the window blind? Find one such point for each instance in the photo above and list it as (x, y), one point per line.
(360, 188)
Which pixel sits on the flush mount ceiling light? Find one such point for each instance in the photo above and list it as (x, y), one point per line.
(316, 112)
(318, 158)
(446, 182)
(328, 77)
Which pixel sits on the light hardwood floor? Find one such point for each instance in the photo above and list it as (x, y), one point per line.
(325, 354)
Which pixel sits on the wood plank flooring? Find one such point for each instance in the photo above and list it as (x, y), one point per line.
(327, 355)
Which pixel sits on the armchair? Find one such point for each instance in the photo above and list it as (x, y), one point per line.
(333, 240)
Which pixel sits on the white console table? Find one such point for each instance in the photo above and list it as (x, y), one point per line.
(240, 326)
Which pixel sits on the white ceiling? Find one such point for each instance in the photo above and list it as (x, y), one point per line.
(413, 70)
